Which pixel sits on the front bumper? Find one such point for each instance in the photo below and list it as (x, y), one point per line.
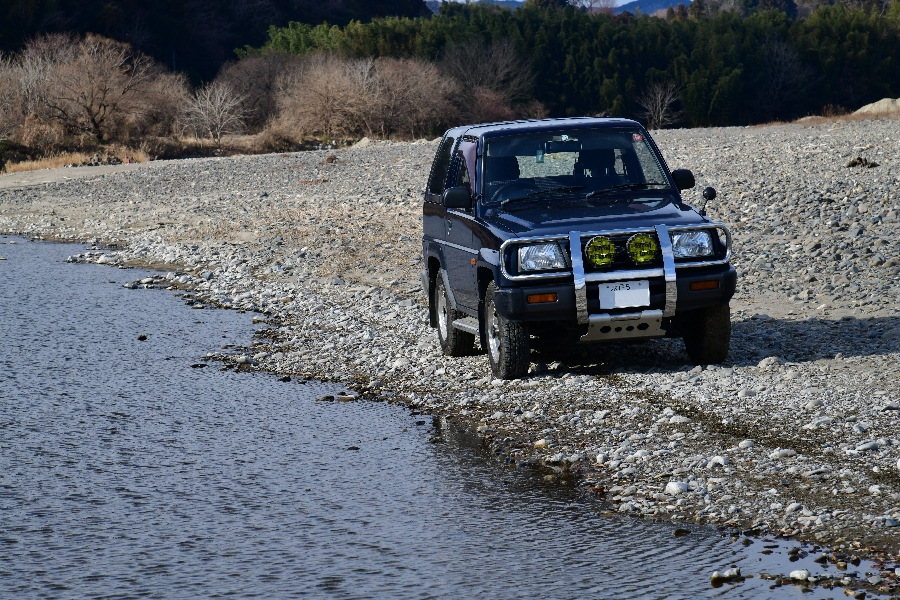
(578, 301)
(512, 303)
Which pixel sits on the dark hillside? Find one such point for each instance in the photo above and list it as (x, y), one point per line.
(196, 36)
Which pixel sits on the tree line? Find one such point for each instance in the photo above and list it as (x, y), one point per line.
(727, 67)
(411, 77)
(196, 36)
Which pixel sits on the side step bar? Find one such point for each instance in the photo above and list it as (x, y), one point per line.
(469, 324)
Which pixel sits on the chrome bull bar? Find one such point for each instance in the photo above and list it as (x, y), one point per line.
(643, 324)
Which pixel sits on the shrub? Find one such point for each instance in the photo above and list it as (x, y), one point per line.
(383, 97)
(256, 79)
(215, 110)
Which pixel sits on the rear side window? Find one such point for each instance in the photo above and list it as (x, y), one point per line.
(441, 166)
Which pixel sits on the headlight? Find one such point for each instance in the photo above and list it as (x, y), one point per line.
(541, 257)
(692, 244)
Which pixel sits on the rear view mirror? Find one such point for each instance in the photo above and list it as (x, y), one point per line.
(684, 179)
(566, 146)
(457, 197)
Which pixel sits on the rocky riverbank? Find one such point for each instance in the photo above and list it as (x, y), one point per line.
(797, 433)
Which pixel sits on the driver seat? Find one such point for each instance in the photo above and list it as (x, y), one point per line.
(599, 163)
(501, 169)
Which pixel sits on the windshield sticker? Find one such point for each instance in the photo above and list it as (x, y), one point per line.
(539, 156)
(637, 137)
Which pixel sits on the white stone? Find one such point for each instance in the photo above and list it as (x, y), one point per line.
(720, 461)
(674, 488)
(746, 444)
(800, 575)
(782, 453)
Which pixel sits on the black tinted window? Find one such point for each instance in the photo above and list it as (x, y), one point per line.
(440, 167)
(462, 173)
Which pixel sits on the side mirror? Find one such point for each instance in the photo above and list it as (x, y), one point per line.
(709, 194)
(457, 197)
(684, 179)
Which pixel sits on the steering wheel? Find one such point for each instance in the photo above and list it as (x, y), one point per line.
(513, 185)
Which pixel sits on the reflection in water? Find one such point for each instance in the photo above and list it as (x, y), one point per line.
(125, 472)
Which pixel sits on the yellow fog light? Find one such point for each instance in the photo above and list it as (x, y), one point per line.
(642, 248)
(600, 251)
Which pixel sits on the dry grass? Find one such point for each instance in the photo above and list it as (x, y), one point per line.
(824, 120)
(67, 158)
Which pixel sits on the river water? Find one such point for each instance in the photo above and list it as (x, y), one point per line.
(125, 472)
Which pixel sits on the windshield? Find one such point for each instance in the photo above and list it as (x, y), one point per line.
(569, 163)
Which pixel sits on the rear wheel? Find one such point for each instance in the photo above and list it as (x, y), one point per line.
(707, 334)
(507, 343)
(453, 341)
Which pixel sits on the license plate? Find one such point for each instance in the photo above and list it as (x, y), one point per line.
(625, 294)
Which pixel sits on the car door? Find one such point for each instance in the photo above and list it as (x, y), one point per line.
(460, 249)
(434, 214)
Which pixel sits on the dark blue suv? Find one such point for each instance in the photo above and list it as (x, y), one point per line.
(553, 232)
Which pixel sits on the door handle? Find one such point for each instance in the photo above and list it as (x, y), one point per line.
(449, 224)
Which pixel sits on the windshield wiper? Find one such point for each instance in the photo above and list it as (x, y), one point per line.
(535, 194)
(621, 186)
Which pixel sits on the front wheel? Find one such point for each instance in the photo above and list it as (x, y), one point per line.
(453, 341)
(707, 334)
(507, 343)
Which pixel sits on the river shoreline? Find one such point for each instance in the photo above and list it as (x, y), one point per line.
(784, 438)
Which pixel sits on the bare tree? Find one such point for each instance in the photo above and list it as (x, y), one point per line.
(256, 78)
(11, 116)
(36, 65)
(495, 73)
(97, 86)
(215, 110)
(658, 102)
(787, 77)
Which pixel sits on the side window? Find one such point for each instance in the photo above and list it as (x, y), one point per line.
(440, 167)
(462, 172)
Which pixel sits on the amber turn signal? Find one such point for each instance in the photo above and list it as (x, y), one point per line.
(540, 298)
(712, 284)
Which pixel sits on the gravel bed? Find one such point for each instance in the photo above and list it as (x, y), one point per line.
(798, 433)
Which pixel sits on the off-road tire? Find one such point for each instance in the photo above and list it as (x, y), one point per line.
(454, 342)
(507, 343)
(707, 334)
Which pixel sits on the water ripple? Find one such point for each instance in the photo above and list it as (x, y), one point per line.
(125, 473)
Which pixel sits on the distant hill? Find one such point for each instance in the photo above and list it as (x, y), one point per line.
(648, 7)
(435, 5)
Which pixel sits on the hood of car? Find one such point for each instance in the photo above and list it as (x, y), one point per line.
(553, 217)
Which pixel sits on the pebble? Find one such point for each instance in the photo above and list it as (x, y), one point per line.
(799, 575)
(783, 453)
(674, 488)
(725, 576)
(813, 314)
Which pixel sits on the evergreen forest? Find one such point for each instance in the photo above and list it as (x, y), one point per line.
(726, 67)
